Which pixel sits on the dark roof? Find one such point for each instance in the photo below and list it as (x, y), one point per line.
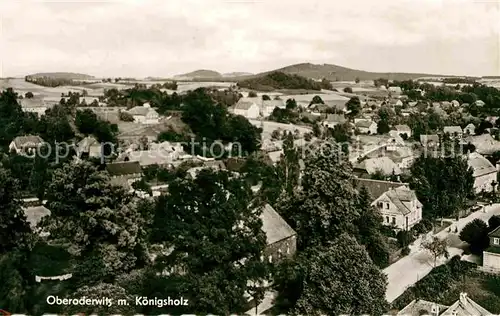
(495, 232)
(376, 187)
(123, 168)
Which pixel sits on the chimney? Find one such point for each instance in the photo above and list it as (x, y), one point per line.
(463, 298)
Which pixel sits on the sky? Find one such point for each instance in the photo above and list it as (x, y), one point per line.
(168, 37)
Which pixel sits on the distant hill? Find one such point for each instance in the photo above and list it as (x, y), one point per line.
(237, 74)
(199, 74)
(339, 73)
(280, 80)
(62, 75)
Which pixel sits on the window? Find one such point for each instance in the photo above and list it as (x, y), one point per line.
(287, 249)
(387, 219)
(496, 241)
(270, 258)
(387, 205)
(380, 204)
(394, 220)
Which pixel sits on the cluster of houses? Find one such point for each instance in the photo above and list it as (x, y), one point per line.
(464, 306)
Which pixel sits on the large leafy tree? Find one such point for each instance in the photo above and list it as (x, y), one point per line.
(335, 279)
(369, 226)
(442, 184)
(16, 242)
(15, 232)
(327, 205)
(476, 234)
(210, 225)
(100, 221)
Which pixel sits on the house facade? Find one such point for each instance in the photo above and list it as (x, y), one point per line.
(403, 129)
(399, 207)
(365, 126)
(247, 109)
(89, 147)
(144, 114)
(124, 174)
(484, 173)
(469, 129)
(491, 256)
(281, 239)
(26, 145)
(35, 105)
(268, 106)
(334, 119)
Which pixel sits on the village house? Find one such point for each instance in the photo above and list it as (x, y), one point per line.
(137, 134)
(399, 207)
(491, 256)
(161, 154)
(403, 130)
(394, 142)
(429, 141)
(382, 165)
(453, 131)
(479, 103)
(464, 306)
(26, 145)
(365, 126)
(281, 239)
(469, 129)
(88, 147)
(334, 119)
(485, 144)
(33, 105)
(395, 90)
(124, 174)
(248, 109)
(34, 215)
(208, 163)
(484, 173)
(144, 114)
(268, 106)
(337, 105)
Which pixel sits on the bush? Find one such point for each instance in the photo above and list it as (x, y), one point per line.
(434, 285)
(405, 238)
(405, 251)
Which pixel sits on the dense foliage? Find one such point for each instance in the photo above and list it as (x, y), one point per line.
(280, 80)
(442, 184)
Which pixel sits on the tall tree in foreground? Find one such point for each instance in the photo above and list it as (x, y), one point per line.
(336, 279)
(369, 225)
(15, 232)
(442, 184)
(215, 235)
(100, 221)
(327, 205)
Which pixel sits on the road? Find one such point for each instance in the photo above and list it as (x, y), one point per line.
(407, 271)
